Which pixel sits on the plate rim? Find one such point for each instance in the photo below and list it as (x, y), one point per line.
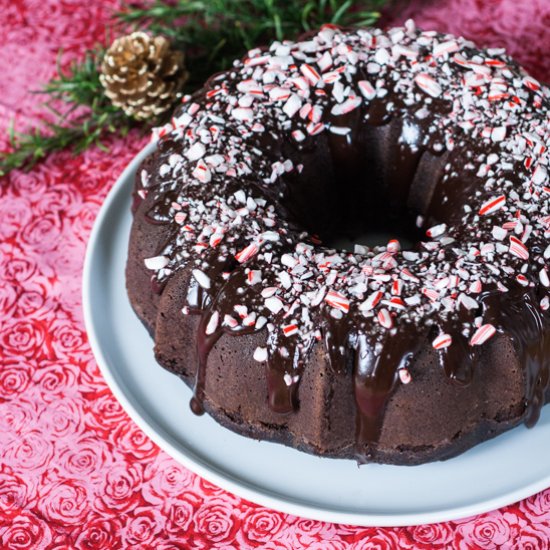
(211, 473)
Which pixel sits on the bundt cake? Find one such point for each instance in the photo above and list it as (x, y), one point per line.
(401, 353)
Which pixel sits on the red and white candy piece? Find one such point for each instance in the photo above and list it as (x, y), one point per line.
(314, 128)
(393, 246)
(215, 239)
(540, 175)
(337, 301)
(499, 233)
(332, 76)
(372, 301)
(367, 89)
(436, 231)
(243, 114)
(254, 277)
(201, 278)
(531, 83)
(397, 287)
(441, 284)
(428, 84)
(442, 48)
(522, 280)
(442, 341)
(292, 106)
(246, 253)
(279, 94)
(482, 334)
(404, 376)
(492, 205)
(195, 152)
(274, 304)
(250, 86)
(202, 172)
(291, 329)
(346, 107)
(156, 262)
(408, 276)
(230, 321)
(310, 73)
(517, 248)
(298, 135)
(467, 302)
(431, 294)
(498, 133)
(384, 318)
(396, 303)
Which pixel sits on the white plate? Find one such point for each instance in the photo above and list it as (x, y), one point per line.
(499, 472)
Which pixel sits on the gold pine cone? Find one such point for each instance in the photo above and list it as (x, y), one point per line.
(142, 75)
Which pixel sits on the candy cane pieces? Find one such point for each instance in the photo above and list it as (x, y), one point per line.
(428, 84)
(482, 334)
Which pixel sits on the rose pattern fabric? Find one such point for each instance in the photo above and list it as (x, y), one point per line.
(75, 471)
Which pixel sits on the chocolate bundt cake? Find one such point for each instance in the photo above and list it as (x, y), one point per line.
(401, 353)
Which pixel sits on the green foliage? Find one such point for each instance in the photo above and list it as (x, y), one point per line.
(214, 32)
(211, 32)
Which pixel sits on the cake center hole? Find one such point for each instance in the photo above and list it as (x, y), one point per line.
(364, 191)
(358, 209)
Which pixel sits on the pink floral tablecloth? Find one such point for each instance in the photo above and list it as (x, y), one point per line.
(75, 471)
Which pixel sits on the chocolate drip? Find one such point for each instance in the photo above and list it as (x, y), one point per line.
(336, 345)
(284, 372)
(205, 343)
(458, 360)
(158, 286)
(283, 395)
(377, 112)
(375, 373)
(518, 314)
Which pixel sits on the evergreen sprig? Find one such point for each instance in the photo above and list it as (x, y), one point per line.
(215, 32)
(211, 32)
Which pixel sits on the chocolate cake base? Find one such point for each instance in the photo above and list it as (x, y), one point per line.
(232, 269)
(435, 418)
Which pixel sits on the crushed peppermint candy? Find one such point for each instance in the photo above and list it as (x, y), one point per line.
(492, 205)
(405, 376)
(517, 248)
(201, 278)
(260, 354)
(213, 323)
(482, 334)
(337, 301)
(442, 341)
(428, 84)
(156, 263)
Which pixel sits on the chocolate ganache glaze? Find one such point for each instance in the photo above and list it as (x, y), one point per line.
(387, 353)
